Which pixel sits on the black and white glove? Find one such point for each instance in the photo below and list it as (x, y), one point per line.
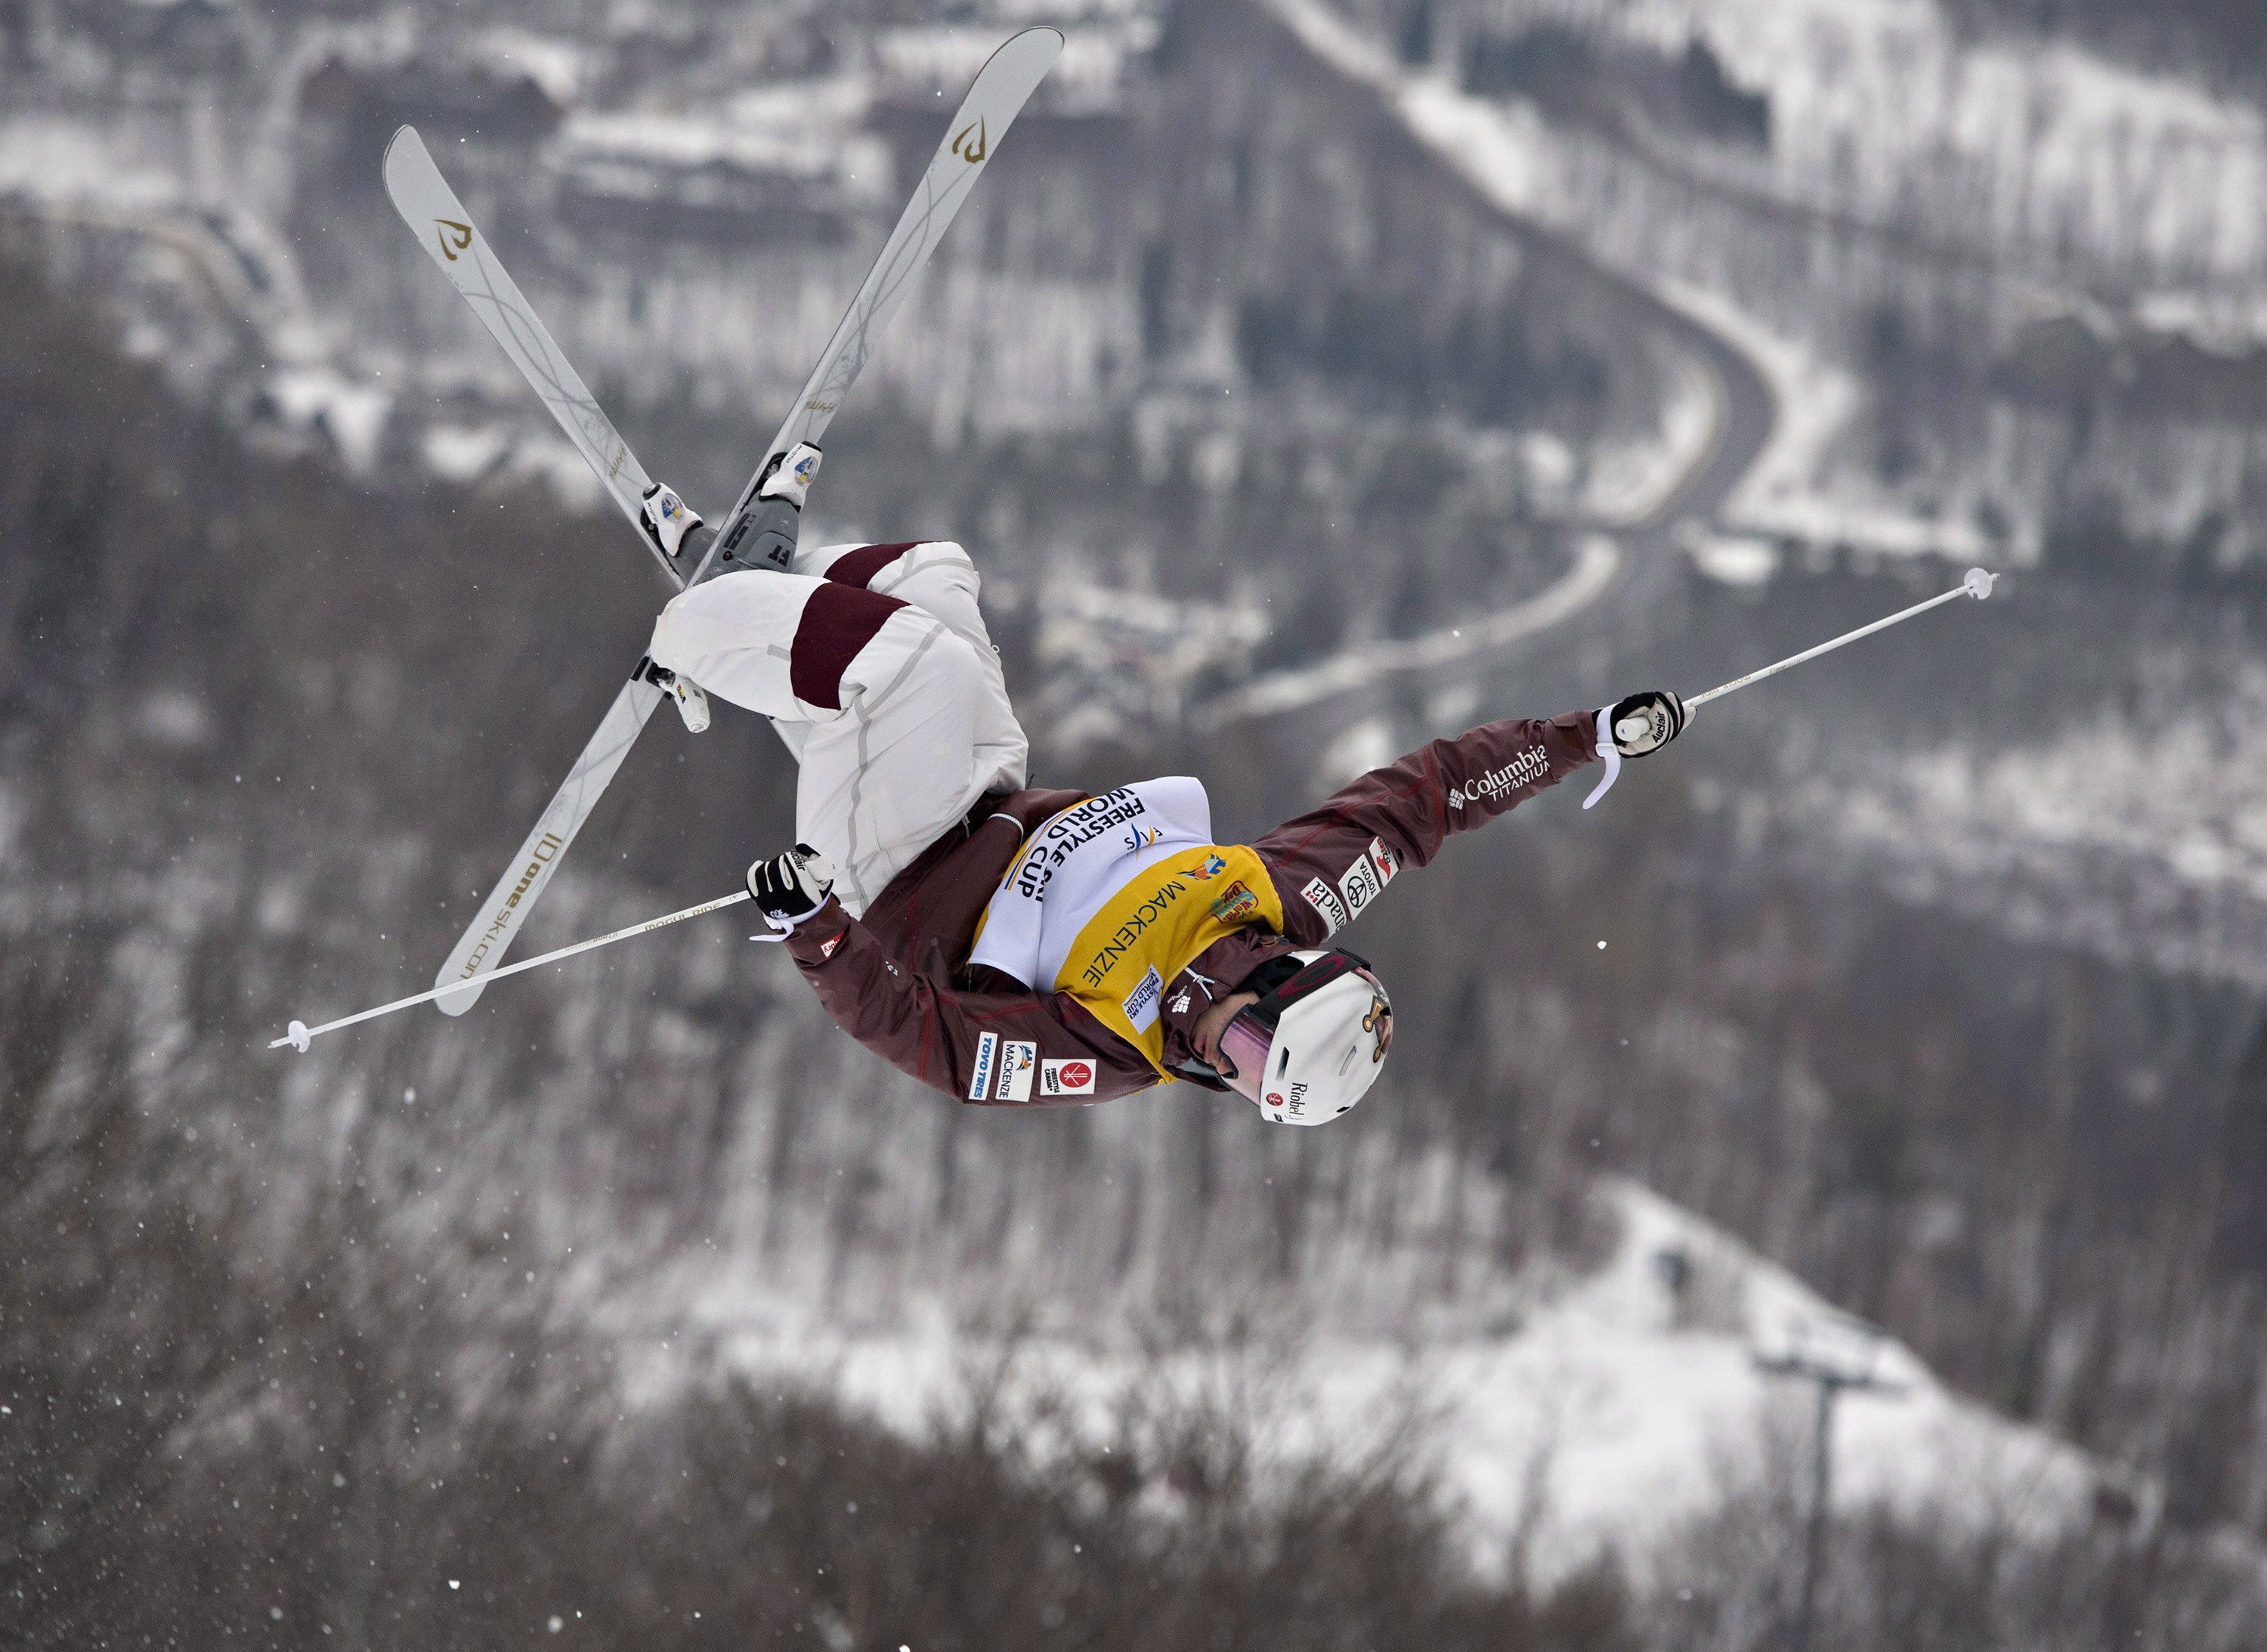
(1643, 724)
(789, 888)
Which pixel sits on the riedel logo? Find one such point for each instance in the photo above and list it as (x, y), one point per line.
(1295, 1107)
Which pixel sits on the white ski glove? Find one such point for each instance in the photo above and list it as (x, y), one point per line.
(1643, 724)
(789, 888)
(1635, 727)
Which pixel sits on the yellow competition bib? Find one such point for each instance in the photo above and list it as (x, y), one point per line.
(1150, 930)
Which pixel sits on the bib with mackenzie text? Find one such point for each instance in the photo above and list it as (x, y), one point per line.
(1111, 898)
(1152, 929)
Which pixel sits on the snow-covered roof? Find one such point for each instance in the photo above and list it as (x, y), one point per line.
(692, 141)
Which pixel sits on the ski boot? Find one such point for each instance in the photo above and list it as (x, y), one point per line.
(791, 480)
(668, 519)
(683, 691)
(766, 534)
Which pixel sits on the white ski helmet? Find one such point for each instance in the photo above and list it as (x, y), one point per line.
(1315, 1042)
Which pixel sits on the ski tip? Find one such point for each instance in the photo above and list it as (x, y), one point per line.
(1041, 39)
(404, 162)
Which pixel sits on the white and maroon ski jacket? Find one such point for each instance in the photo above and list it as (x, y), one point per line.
(899, 980)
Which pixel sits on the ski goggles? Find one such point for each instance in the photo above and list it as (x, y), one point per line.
(1246, 1040)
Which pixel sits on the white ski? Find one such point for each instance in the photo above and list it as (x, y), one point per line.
(1002, 87)
(482, 947)
(997, 95)
(432, 211)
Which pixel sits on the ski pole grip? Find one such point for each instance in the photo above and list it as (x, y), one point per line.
(1611, 753)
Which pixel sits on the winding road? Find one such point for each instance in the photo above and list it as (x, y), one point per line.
(1623, 563)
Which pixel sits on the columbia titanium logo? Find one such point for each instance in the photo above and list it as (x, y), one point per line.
(1524, 770)
(460, 233)
(545, 851)
(969, 142)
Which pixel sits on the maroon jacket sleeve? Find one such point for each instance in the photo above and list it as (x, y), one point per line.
(1331, 863)
(998, 1048)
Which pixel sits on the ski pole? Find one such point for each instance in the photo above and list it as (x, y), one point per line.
(1975, 583)
(299, 1035)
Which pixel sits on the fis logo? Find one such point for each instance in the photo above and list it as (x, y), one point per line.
(1141, 838)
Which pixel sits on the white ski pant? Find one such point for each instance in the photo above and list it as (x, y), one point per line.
(873, 661)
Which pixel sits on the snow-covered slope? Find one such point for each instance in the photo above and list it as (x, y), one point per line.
(1614, 1408)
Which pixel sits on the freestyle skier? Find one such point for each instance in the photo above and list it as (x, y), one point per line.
(1016, 946)
(1004, 944)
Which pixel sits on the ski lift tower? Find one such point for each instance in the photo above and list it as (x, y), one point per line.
(1839, 1354)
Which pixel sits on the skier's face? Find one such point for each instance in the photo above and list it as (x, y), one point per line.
(1206, 1034)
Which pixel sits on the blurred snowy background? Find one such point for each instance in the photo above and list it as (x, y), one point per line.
(1309, 377)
